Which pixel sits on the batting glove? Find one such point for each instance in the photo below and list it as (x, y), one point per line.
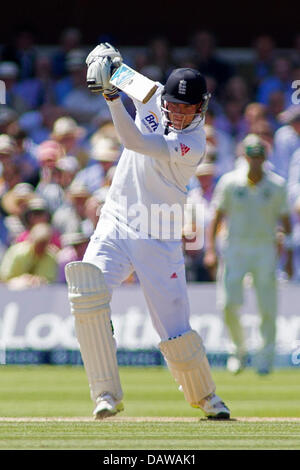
(100, 70)
(103, 50)
(99, 74)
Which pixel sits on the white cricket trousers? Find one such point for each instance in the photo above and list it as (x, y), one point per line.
(260, 260)
(118, 251)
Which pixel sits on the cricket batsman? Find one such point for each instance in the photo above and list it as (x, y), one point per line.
(252, 201)
(162, 149)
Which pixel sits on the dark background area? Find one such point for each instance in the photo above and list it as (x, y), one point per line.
(234, 23)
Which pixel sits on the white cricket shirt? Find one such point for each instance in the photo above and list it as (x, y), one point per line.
(251, 212)
(153, 175)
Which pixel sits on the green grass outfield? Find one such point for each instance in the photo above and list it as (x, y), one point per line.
(48, 407)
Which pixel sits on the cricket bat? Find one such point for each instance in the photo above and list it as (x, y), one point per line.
(133, 83)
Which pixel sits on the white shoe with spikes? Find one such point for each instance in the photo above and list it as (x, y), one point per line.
(107, 406)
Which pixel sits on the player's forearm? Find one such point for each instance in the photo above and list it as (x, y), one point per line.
(131, 137)
(212, 232)
(287, 230)
(211, 238)
(286, 224)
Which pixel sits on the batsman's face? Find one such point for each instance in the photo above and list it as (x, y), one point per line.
(181, 115)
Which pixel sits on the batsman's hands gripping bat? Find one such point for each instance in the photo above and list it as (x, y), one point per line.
(108, 74)
(102, 62)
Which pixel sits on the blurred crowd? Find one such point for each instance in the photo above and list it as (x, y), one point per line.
(58, 147)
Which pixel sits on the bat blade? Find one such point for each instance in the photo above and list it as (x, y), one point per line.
(133, 83)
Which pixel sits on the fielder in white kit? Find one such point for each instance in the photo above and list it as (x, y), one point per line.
(140, 229)
(253, 201)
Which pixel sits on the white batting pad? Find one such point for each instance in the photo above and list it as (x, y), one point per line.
(89, 299)
(187, 361)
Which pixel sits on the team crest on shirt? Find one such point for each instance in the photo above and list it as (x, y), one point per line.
(241, 192)
(266, 194)
(151, 121)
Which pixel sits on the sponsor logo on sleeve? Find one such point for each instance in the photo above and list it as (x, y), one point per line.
(151, 121)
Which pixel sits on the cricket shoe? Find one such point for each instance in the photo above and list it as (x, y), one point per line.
(263, 371)
(263, 365)
(236, 364)
(264, 368)
(107, 406)
(214, 408)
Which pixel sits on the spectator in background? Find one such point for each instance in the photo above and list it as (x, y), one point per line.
(295, 210)
(10, 177)
(45, 79)
(275, 106)
(9, 75)
(70, 39)
(205, 173)
(65, 171)
(295, 55)
(279, 80)
(36, 212)
(24, 155)
(232, 122)
(10, 171)
(139, 60)
(69, 135)
(205, 57)
(39, 89)
(105, 152)
(39, 124)
(22, 52)
(236, 89)
(264, 51)
(214, 105)
(102, 192)
(160, 59)
(63, 174)
(294, 178)
(36, 90)
(73, 94)
(4, 239)
(13, 205)
(263, 129)
(30, 263)
(198, 215)
(48, 154)
(106, 129)
(75, 61)
(8, 116)
(296, 77)
(234, 99)
(223, 144)
(254, 112)
(293, 188)
(74, 247)
(7, 152)
(70, 216)
(92, 210)
(286, 139)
